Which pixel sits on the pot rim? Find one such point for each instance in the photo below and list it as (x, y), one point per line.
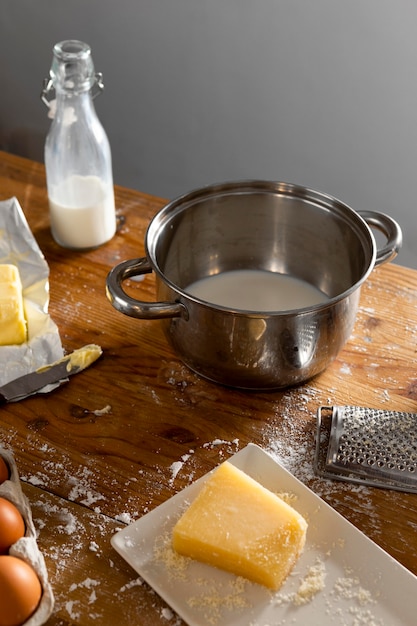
(324, 200)
(321, 199)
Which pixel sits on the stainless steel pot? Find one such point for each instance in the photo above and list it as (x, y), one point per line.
(272, 226)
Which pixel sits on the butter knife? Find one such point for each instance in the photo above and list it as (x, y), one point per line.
(59, 371)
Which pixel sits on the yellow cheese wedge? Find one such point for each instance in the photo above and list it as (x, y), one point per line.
(241, 527)
(12, 317)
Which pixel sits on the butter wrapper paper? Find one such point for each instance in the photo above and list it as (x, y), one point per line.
(19, 247)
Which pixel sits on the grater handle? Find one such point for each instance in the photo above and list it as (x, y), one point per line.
(390, 228)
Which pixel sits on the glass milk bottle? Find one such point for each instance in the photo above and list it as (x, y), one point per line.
(77, 152)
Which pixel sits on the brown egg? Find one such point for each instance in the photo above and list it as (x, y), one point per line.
(4, 471)
(12, 525)
(20, 591)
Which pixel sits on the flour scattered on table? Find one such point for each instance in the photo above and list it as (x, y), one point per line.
(178, 466)
(223, 446)
(126, 518)
(221, 442)
(291, 442)
(104, 411)
(87, 583)
(94, 547)
(175, 468)
(70, 609)
(167, 614)
(37, 481)
(82, 491)
(68, 525)
(136, 582)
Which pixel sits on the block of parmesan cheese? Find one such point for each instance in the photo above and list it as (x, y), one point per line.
(237, 525)
(12, 316)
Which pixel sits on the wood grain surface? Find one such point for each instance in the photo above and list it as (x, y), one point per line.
(100, 451)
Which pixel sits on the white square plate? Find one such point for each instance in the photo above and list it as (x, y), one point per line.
(362, 583)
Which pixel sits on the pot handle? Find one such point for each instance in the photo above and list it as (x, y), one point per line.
(390, 228)
(136, 308)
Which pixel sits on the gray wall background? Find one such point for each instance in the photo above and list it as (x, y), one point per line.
(322, 93)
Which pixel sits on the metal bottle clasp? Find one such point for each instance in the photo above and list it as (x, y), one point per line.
(48, 89)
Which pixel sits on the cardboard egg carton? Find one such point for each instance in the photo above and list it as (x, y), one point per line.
(26, 548)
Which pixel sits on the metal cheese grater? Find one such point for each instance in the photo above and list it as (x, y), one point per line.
(368, 446)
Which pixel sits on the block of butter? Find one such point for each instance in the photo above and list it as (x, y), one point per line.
(237, 525)
(12, 316)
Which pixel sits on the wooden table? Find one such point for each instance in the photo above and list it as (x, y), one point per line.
(98, 452)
